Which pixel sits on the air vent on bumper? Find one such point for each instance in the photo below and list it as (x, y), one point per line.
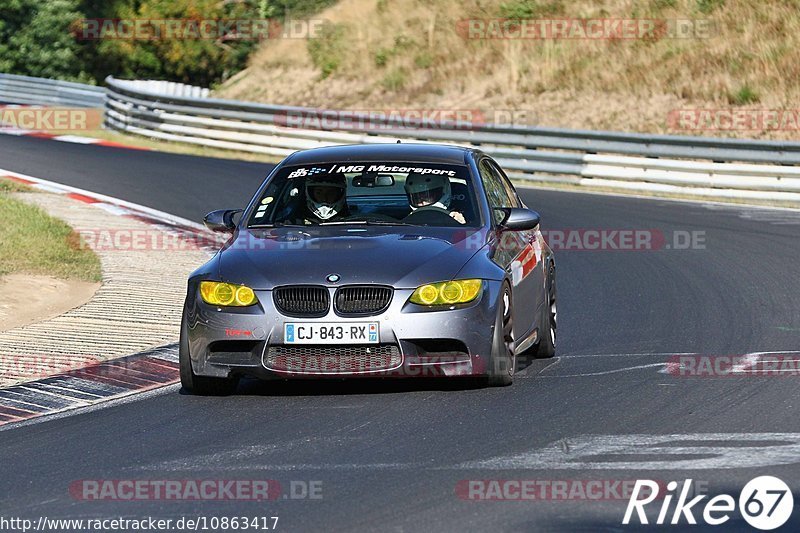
(333, 359)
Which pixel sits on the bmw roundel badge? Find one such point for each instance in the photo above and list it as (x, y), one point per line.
(333, 278)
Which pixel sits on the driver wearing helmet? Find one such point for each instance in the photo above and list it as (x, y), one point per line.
(326, 199)
(428, 191)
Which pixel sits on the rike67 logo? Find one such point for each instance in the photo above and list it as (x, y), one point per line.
(765, 503)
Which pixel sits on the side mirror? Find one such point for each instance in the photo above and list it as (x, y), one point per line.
(221, 221)
(519, 218)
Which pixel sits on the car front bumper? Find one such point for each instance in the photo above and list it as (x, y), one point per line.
(413, 341)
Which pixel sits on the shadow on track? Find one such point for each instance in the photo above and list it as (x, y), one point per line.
(352, 386)
(365, 385)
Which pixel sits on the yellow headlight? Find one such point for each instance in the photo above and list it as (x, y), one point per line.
(447, 293)
(452, 292)
(245, 296)
(223, 294)
(427, 294)
(227, 294)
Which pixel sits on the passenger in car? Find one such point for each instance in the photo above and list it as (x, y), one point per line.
(431, 192)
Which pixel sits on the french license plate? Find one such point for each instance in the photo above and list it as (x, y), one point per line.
(330, 333)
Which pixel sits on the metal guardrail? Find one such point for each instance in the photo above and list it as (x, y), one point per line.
(39, 91)
(169, 88)
(697, 166)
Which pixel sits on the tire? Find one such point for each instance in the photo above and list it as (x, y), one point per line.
(503, 360)
(546, 346)
(201, 385)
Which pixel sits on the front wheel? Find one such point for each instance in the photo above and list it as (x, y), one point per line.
(547, 332)
(503, 360)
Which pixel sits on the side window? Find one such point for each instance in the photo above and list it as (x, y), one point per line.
(512, 194)
(496, 192)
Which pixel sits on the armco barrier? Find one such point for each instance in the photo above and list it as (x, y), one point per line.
(698, 166)
(39, 91)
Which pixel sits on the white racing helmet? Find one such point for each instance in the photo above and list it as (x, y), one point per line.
(426, 190)
(326, 196)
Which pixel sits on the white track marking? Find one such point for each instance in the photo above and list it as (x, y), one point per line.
(76, 139)
(132, 396)
(650, 354)
(727, 450)
(53, 186)
(605, 372)
(700, 202)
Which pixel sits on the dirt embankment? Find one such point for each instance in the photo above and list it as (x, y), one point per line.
(724, 55)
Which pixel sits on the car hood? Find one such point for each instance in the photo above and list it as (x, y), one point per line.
(263, 259)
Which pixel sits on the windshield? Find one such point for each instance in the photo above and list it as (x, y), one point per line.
(389, 193)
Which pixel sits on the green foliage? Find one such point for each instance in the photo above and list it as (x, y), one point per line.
(745, 95)
(291, 8)
(196, 61)
(528, 9)
(424, 60)
(6, 185)
(328, 48)
(395, 80)
(38, 38)
(36, 243)
(707, 6)
(382, 57)
(35, 39)
(401, 44)
(664, 4)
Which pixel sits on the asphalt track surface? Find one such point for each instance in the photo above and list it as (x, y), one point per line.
(389, 455)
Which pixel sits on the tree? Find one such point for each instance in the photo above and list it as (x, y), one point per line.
(39, 38)
(196, 61)
(36, 39)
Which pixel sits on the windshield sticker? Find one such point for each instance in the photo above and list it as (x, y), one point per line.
(302, 172)
(396, 169)
(262, 208)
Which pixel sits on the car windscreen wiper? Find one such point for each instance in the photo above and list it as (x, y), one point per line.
(276, 225)
(366, 222)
